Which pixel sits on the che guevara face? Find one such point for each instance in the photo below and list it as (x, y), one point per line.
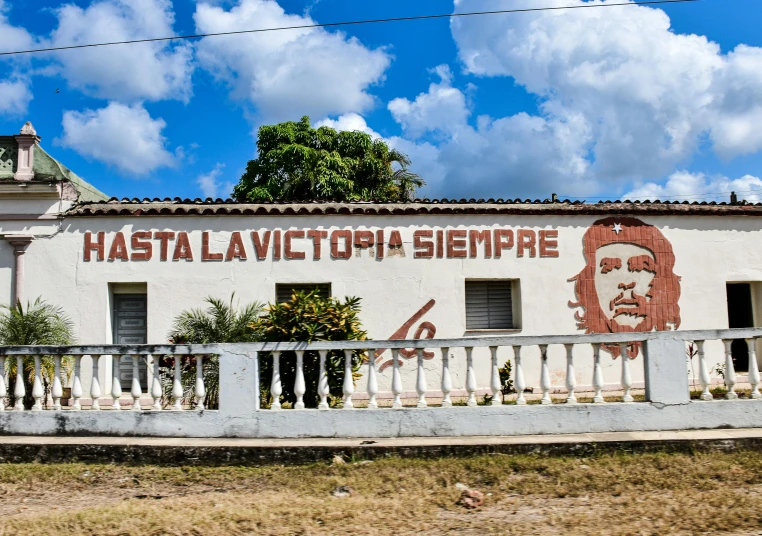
(623, 277)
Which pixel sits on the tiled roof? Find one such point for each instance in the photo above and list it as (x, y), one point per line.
(212, 207)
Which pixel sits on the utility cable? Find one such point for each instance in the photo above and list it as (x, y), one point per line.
(347, 23)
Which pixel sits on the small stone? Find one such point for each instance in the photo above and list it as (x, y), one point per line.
(471, 499)
(585, 467)
(461, 486)
(338, 460)
(343, 491)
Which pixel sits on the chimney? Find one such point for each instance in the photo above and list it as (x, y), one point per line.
(26, 140)
(554, 198)
(733, 198)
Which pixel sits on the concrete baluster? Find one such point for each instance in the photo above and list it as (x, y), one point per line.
(349, 384)
(200, 387)
(470, 377)
(518, 376)
(494, 383)
(177, 384)
(545, 376)
(156, 390)
(299, 386)
(730, 371)
(323, 388)
(95, 386)
(420, 381)
(3, 388)
(597, 375)
(446, 379)
(372, 381)
(76, 386)
(571, 381)
(626, 376)
(37, 391)
(753, 369)
(706, 382)
(19, 391)
(56, 390)
(396, 379)
(116, 383)
(135, 389)
(276, 389)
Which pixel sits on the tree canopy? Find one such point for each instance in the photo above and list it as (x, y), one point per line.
(296, 162)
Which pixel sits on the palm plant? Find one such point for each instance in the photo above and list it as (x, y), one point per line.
(220, 322)
(40, 323)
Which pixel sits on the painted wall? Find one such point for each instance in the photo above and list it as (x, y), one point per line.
(709, 251)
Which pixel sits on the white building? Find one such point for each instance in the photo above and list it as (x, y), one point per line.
(123, 269)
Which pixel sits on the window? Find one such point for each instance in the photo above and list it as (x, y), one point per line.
(284, 291)
(130, 315)
(489, 305)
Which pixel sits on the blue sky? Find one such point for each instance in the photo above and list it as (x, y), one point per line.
(637, 102)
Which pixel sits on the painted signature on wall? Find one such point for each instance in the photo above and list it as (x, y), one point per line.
(428, 328)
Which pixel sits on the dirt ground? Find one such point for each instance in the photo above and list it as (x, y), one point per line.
(613, 495)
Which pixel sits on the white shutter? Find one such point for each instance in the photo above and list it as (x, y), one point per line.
(489, 305)
(283, 292)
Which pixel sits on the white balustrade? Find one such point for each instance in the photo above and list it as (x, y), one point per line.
(276, 389)
(446, 379)
(156, 390)
(116, 383)
(299, 386)
(396, 380)
(545, 376)
(730, 371)
(349, 384)
(753, 369)
(323, 387)
(626, 375)
(706, 382)
(3, 388)
(177, 384)
(19, 391)
(76, 387)
(200, 388)
(597, 375)
(56, 390)
(420, 381)
(494, 383)
(95, 386)
(135, 390)
(519, 377)
(571, 381)
(37, 391)
(372, 381)
(470, 377)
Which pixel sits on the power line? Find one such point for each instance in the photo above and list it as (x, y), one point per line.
(346, 23)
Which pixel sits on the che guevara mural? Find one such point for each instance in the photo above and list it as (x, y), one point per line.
(628, 283)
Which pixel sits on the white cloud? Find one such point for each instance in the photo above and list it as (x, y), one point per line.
(289, 73)
(646, 95)
(210, 184)
(136, 72)
(15, 89)
(685, 186)
(348, 122)
(123, 136)
(12, 37)
(15, 96)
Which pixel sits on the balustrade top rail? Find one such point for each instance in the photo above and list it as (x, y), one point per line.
(466, 342)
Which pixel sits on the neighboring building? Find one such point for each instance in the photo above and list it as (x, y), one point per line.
(123, 269)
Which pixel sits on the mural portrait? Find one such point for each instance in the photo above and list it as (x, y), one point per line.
(628, 283)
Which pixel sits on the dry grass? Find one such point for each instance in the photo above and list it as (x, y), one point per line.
(609, 494)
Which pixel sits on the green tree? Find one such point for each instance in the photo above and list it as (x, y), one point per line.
(220, 322)
(39, 324)
(297, 163)
(309, 317)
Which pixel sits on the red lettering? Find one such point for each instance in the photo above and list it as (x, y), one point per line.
(316, 237)
(288, 253)
(456, 239)
(139, 242)
(548, 243)
(440, 244)
(99, 246)
(424, 249)
(261, 246)
(380, 244)
(480, 237)
(118, 249)
(182, 248)
(364, 239)
(206, 255)
(395, 240)
(165, 238)
(236, 249)
(276, 246)
(336, 236)
(527, 240)
(503, 240)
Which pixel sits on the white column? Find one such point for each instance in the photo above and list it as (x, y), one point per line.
(19, 391)
(135, 389)
(494, 383)
(446, 379)
(95, 386)
(3, 388)
(519, 377)
(276, 389)
(396, 379)
(545, 376)
(56, 390)
(571, 381)
(730, 371)
(76, 386)
(37, 391)
(20, 244)
(753, 369)
(372, 381)
(597, 375)
(156, 390)
(704, 378)
(420, 382)
(349, 384)
(200, 388)
(116, 383)
(177, 384)
(470, 377)
(323, 387)
(299, 386)
(626, 377)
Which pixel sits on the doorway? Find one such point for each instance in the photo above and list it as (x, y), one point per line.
(130, 327)
(740, 315)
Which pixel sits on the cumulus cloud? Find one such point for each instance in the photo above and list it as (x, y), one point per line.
(290, 73)
(685, 186)
(15, 96)
(210, 183)
(147, 71)
(15, 89)
(350, 122)
(123, 136)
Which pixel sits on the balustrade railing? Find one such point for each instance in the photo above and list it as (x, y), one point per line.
(664, 359)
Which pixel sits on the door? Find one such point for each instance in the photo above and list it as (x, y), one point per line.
(130, 327)
(740, 315)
